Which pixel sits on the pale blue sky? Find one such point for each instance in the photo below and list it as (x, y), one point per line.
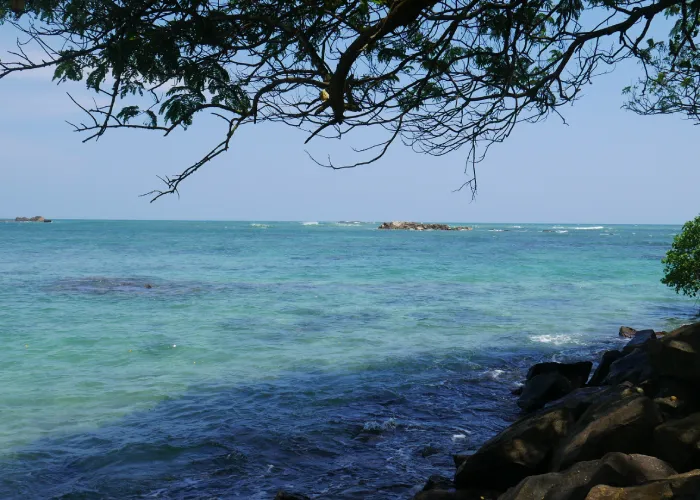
(606, 166)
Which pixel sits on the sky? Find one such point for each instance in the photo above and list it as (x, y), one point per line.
(606, 165)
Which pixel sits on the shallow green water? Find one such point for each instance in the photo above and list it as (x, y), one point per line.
(204, 359)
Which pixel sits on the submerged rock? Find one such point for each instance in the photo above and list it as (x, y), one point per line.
(283, 495)
(615, 469)
(520, 450)
(429, 451)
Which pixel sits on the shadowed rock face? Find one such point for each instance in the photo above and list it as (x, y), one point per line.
(604, 367)
(625, 425)
(678, 442)
(634, 367)
(517, 452)
(615, 469)
(550, 381)
(543, 388)
(418, 226)
(677, 354)
(577, 373)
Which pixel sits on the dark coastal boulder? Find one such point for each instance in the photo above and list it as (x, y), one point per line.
(547, 382)
(624, 424)
(542, 389)
(678, 487)
(581, 399)
(641, 339)
(577, 373)
(635, 367)
(678, 442)
(519, 451)
(615, 469)
(677, 354)
(603, 368)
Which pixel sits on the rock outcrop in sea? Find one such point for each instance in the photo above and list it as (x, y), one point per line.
(630, 432)
(420, 226)
(36, 218)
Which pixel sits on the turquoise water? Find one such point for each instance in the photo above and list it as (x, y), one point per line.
(232, 359)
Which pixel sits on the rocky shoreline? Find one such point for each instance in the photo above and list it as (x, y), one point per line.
(631, 431)
(420, 226)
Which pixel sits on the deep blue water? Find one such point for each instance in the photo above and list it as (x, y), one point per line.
(233, 359)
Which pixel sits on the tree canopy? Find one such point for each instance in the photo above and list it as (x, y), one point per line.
(437, 75)
(682, 261)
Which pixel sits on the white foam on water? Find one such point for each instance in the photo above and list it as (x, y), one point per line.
(373, 425)
(493, 374)
(556, 339)
(561, 231)
(458, 437)
(496, 230)
(264, 226)
(590, 228)
(309, 223)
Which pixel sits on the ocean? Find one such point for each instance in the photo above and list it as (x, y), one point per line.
(187, 360)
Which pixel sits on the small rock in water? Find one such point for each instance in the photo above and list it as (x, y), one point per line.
(429, 451)
(627, 332)
(283, 495)
(438, 482)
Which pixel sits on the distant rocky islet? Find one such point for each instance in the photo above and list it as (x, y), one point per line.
(36, 218)
(420, 226)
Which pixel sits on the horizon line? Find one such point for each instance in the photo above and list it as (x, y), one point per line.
(78, 219)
